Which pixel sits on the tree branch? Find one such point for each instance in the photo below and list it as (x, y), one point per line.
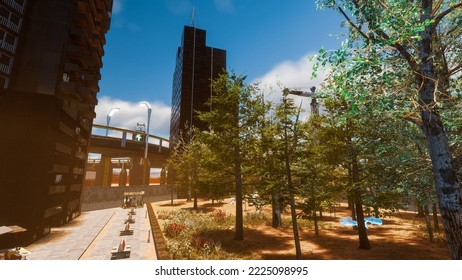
(455, 70)
(353, 24)
(445, 13)
(437, 6)
(385, 5)
(415, 120)
(400, 48)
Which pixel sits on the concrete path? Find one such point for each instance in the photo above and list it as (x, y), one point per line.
(93, 235)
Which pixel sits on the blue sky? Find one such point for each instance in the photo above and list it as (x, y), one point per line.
(269, 41)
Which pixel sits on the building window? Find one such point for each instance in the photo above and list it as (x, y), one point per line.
(66, 77)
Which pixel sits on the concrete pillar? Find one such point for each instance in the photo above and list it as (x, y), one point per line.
(140, 172)
(146, 171)
(163, 176)
(123, 177)
(104, 172)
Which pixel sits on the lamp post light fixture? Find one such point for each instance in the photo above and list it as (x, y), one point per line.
(148, 106)
(314, 104)
(108, 118)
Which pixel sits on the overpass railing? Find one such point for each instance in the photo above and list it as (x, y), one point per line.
(121, 133)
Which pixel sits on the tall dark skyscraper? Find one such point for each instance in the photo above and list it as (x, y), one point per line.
(50, 60)
(196, 66)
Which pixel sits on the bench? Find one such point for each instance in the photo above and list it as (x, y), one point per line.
(130, 219)
(121, 252)
(127, 230)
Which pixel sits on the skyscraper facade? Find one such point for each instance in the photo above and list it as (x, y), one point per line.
(50, 61)
(196, 66)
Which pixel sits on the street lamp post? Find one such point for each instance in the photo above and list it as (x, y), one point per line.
(111, 113)
(148, 106)
(314, 103)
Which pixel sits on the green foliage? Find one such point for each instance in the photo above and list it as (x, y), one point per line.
(404, 60)
(188, 234)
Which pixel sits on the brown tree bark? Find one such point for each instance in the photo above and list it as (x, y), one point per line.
(447, 185)
(316, 226)
(239, 232)
(362, 234)
(428, 224)
(276, 209)
(436, 223)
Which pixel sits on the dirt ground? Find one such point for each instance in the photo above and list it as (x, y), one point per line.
(401, 237)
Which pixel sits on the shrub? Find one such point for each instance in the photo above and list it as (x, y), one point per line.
(256, 218)
(173, 229)
(219, 215)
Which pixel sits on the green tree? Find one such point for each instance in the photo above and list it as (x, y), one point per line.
(230, 134)
(268, 163)
(314, 172)
(184, 162)
(287, 132)
(425, 37)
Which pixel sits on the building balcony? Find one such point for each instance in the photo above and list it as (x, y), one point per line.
(8, 47)
(16, 6)
(77, 54)
(9, 24)
(73, 51)
(5, 68)
(80, 20)
(87, 95)
(69, 89)
(71, 67)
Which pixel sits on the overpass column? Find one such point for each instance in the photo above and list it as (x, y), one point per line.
(123, 177)
(104, 172)
(140, 169)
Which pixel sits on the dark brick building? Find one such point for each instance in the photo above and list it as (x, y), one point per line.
(196, 66)
(50, 60)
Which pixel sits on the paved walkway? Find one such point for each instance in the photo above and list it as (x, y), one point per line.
(93, 235)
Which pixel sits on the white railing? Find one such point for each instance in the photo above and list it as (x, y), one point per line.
(4, 68)
(15, 5)
(9, 47)
(9, 24)
(100, 130)
(113, 160)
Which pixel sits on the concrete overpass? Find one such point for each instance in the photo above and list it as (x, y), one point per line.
(124, 149)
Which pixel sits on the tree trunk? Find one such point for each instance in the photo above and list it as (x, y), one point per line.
(195, 202)
(376, 211)
(316, 227)
(239, 233)
(420, 210)
(298, 250)
(427, 222)
(436, 223)
(362, 234)
(447, 185)
(276, 209)
(353, 211)
(351, 199)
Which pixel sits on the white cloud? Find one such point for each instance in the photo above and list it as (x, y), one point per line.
(117, 6)
(131, 113)
(224, 5)
(178, 7)
(292, 75)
